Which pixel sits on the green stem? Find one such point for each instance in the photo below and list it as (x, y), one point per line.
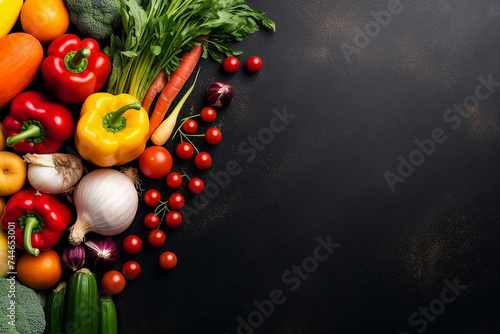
(33, 131)
(114, 122)
(31, 223)
(76, 61)
(189, 140)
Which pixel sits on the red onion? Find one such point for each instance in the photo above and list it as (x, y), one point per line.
(219, 94)
(73, 257)
(102, 250)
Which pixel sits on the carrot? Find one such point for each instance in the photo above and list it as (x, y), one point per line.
(154, 89)
(174, 85)
(165, 129)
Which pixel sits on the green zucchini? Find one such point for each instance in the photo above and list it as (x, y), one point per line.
(108, 323)
(82, 304)
(55, 310)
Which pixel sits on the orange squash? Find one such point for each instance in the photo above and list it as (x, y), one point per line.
(22, 55)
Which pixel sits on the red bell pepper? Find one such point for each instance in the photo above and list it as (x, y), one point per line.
(37, 124)
(74, 68)
(39, 220)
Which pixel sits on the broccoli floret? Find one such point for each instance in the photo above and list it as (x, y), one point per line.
(29, 313)
(95, 18)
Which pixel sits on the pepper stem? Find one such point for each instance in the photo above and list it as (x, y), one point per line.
(30, 224)
(114, 122)
(32, 131)
(76, 61)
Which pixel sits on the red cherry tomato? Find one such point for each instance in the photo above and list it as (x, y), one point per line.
(196, 185)
(254, 64)
(132, 244)
(213, 136)
(113, 282)
(174, 180)
(155, 162)
(131, 269)
(152, 197)
(208, 114)
(173, 219)
(203, 160)
(184, 150)
(231, 64)
(190, 126)
(168, 260)
(176, 201)
(156, 237)
(151, 220)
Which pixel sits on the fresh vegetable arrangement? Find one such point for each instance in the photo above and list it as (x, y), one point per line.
(63, 214)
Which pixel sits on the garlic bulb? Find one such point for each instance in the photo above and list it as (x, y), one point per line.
(53, 173)
(106, 202)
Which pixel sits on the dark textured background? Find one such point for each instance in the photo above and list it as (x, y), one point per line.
(323, 175)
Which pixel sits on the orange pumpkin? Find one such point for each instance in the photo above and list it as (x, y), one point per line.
(22, 55)
(40, 272)
(12, 173)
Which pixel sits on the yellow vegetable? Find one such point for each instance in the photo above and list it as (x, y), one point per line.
(3, 145)
(10, 10)
(5, 257)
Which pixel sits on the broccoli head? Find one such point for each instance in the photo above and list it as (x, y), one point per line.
(96, 18)
(27, 310)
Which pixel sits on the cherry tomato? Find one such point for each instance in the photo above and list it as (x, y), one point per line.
(168, 260)
(208, 114)
(155, 162)
(132, 244)
(184, 150)
(254, 64)
(176, 201)
(152, 197)
(190, 126)
(174, 180)
(231, 64)
(156, 237)
(113, 282)
(213, 136)
(131, 269)
(173, 218)
(151, 220)
(203, 160)
(196, 185)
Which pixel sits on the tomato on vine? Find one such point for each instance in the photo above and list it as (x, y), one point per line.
(156, 237)
(151, 220)
(196, 185)
(213, 136)
(174, 180)
(190, 126)
(208, 114)
(131, 269)
(132, 244)
(184, 150)
(152, 197)
(176, 201)
(173, 219)
(203, 160)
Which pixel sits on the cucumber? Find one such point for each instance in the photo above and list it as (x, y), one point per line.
(55, 310)
(108, 323)
(82, 304)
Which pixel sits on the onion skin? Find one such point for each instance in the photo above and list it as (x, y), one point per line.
(106, 203)
(219, 94)
(73, 257)
(102, 250)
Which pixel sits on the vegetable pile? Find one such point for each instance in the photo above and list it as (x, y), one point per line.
(65, 215)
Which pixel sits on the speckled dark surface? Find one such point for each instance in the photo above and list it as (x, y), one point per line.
(323, 175)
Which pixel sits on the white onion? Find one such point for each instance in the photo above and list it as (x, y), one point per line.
(106, 202)
(54, 173)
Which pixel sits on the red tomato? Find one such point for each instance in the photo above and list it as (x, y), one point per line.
(184, 150)
(203, 160)
(176, 201)
(213, 136)
(132, 244)
(156, 237)
(190, 126)
(173, 219)
(208, 114)
(151, 220)
(231, 64)
(131, 269)
(254, 64)
(174, 180)
(113, 282)
(152, 197)
(155, 162)
(196, 185)
(168, 260)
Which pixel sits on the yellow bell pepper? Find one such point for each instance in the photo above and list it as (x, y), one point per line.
(10, 10)
(112, 130)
